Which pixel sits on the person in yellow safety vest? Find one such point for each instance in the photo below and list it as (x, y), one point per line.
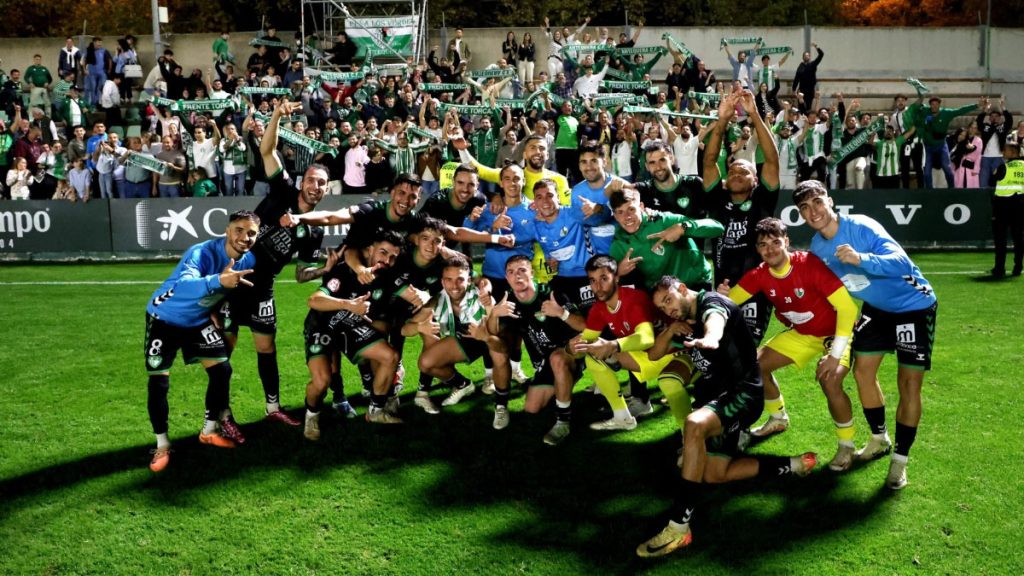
(1008, 211)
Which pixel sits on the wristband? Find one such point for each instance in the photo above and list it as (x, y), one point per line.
(494, 238)
(565, 315)
(838, 346)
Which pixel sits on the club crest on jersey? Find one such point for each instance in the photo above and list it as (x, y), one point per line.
(154, 361)
(376, 294)
(333, 284)
(300, 231)
(658, 249)
(563, 231)
(799, 292)
(683, 202)
(627, 326)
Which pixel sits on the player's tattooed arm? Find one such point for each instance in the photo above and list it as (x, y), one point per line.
(305, 273)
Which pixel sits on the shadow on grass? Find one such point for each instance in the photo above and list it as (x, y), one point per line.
(594, 497)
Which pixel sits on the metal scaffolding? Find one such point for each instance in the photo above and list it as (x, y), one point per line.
(323, 20)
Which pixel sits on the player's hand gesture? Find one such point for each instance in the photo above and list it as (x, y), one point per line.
(667, 235)
(507, 240)
(678, 328)
(847, 255)
(497, 204)
(552, 308)
(587, 207)
(332, 258)
(505, 308)
(477, 331)
(429, 328)
(417, 297)
(502, 221)
(360, 306)
(746, 98)
(724, 288)
(289, 220)
(366, 274)
(629, 264)
(483, 286)
(232, 278)
(475, 214)
(702, 343)
(727, 107)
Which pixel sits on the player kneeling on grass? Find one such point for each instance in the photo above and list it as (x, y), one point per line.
(339, 321)
(727, 399)
(629, 315)
(818, 313)
(178, 317)
(453, 333)
(546, 326)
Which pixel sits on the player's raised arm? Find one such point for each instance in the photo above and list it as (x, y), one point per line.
(268, 148)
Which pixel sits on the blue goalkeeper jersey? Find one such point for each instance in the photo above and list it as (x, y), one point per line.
(886, 278)
(563, 240)
(193, 289)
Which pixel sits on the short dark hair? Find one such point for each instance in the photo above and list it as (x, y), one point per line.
(772, 227)
(602, 262)
(422, 222)
(658, 145)
(935, 99)
(622, 197)
(547, 183)
(517, 258)
(807, 189)
(407, 178)
(458, 261)
(319, 166)
(391, 237)
(244, 215)
(467, 168)
(534, 136)
(591, 147)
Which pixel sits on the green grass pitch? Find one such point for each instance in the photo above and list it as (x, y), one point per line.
(447, 494)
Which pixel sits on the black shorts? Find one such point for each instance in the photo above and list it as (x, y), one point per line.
(342, 332)
(910, 334)
(253, 307)
(577, 290)
(757, 312)
(544, 376)
(737, 410)
(163, 340)
(471, 347)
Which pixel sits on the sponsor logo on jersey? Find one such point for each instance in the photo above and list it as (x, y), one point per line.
(266, 309)
(154, 361)
(799, 292)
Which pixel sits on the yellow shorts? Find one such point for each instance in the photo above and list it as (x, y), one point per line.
(801, 348)
(651, 369)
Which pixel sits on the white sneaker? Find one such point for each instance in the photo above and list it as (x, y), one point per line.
(774, 425)
(423, 401)
(639, 408)
(458, 394)
(897, 478)
(876, 447)
(380, 416)
(519, 376)
(500, 417)
(488, 386)
(615, 424)
(312, 430)
(557, 433)
(842, 460)
(392, 404)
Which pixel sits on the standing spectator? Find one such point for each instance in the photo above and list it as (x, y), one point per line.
(19, 179)
(510, 49)
(526, 58)
(110, 100)
(233, 164)
(887, 157)
(73, 111)
(1008, 211)
(47, 127)
(459, 46)
(343, 51)
(567, 143)
(39, 79)
(805, 81)
(67, 60)
(51, 171)
(202, 151)
(126, 55)
(169, 181)
(221, 49)
(98, 64)
(29, 147)
(356, 160)
(911, 152)
(994, 127)
(742, 66)
(6, 147)
(80, 180)
(933, 124)
(106, 159)
(968, 152)
(138, 180)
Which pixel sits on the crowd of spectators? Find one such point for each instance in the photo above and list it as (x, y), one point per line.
(99, 126)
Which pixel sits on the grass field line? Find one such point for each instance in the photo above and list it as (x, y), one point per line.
(291, 281)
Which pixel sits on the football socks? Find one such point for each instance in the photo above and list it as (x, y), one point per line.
(671, 385)
(905, 436)
(605, 380)
(266, 363)
(876, 419)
